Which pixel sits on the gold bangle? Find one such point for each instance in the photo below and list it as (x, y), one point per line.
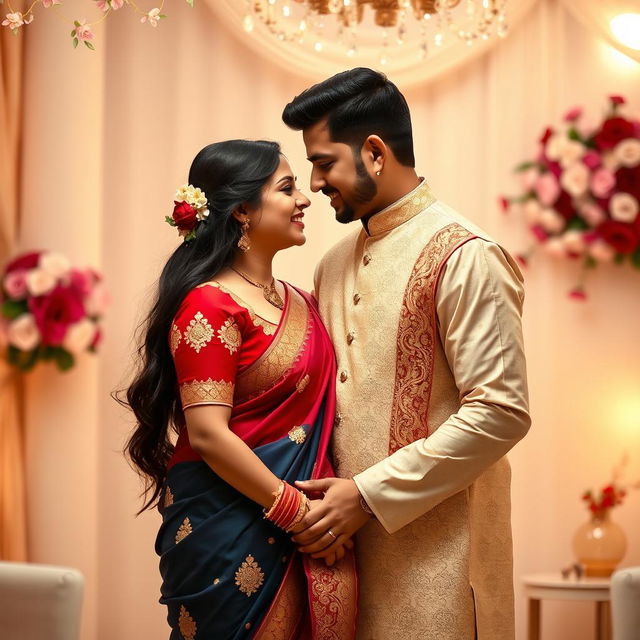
(276, 495)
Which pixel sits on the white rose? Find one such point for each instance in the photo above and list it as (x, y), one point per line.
(571, 152)
(555, 145)
(551, 221)
(79, 336)
(575, 179)
(555, 247)
(55, 263)
(532, 211)
(574, 241)
(627, 152)
(623, 207)
(23, 332)
(602, 251)
(40, 282)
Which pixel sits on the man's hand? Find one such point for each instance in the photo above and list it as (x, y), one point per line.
(327, 528)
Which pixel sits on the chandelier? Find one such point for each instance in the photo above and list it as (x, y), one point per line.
(384, 24)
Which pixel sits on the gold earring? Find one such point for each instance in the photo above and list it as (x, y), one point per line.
(244, 244)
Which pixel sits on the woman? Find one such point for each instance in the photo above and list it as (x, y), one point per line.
(240, 366)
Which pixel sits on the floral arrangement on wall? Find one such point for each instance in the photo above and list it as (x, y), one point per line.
(50, 310)
(581, 192)
(83, 31)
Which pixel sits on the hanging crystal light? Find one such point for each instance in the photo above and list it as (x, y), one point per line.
(394, 22)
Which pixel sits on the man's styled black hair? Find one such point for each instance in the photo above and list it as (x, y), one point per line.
(357, 103)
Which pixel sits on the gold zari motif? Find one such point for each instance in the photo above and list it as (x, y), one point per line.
(198, 333)
(187, 624)
(206, 392)
(168, 497)
(297, 435)
(184, 530)
(229, 335)
(174, 339)
(302, 383)
(249, 576)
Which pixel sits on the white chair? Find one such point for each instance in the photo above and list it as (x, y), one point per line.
(625, 604)
(39, 602)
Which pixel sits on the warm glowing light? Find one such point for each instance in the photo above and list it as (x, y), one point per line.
(626, 28)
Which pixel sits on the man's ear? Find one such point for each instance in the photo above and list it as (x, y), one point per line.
(377, 151)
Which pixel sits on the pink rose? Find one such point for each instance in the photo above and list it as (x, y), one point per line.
(15, 284)
(81, 282)
(573, 114)
(547, 189)
(592, 214)
(98, 301)
(602, 182)
(578, 294)
(591, 159)
(54, 313)
(540, 234)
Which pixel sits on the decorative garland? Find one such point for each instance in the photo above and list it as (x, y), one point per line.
(581, 193)
(82, 30)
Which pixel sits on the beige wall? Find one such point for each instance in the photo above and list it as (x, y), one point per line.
(110, 135)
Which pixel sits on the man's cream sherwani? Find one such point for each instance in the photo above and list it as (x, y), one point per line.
(424, 312)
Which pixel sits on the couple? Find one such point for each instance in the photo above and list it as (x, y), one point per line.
(380, 414)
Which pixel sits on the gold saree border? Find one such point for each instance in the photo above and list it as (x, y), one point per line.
(207, 391)
(416, 339)
(288, 608)
(334, 598)
(281, 355)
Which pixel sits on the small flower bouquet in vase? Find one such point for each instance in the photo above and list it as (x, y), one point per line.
(581, 192)
(600, 543)
(50, 310)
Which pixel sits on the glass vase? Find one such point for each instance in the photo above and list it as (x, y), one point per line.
(599, 545)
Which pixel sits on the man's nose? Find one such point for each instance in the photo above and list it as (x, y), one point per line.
(316, 183)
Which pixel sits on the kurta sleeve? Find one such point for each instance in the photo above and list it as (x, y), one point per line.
(479, 306)
(205, 340)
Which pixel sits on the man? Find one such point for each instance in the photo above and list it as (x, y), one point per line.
(424, 310)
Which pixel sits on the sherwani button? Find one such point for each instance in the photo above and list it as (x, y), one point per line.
(350, 337)
(356, 298)
(343, 376)
(367, 259)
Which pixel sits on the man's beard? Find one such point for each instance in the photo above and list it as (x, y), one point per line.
(364, 191)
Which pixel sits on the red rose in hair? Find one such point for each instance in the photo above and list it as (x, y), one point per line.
(613, 131)
(628, 180)
(621, 236)
(184, 215)
(54, 312)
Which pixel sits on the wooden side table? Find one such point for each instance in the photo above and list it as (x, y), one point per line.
(552, 586)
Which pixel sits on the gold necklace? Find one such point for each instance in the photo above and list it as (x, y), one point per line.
(269, 291)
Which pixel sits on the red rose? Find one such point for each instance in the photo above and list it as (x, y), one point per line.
(617, 99)
(613, 131)
(628, 180)
(54, 312)
(25, 262)
(622, 236)
(564, 206)
(184, 215)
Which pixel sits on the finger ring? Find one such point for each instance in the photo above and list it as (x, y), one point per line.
(333, 535)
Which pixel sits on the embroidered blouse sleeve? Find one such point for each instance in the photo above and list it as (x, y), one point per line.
(205, 340)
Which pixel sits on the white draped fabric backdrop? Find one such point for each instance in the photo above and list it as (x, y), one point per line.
(108, 137)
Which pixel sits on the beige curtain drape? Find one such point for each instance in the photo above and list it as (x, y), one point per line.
(13, 539)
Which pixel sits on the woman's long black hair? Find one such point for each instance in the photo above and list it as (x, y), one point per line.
(231, 174)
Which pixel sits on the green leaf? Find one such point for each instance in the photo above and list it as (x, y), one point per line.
(574, 135)
(590, 262)
(73, 32)
(64, 359)
(75, 42)
(13, 308)
(523, 166)
(162, 15)
(23, 360)
(170, 220)
(190, 3)
(89, 45)
(76, 23)
(635, 258)
(577, 223)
